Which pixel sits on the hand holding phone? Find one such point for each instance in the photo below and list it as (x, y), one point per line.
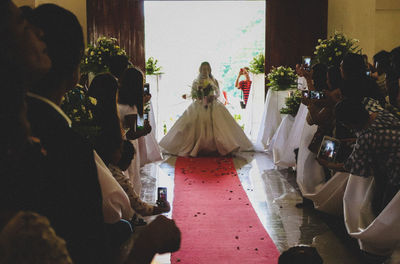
(329, 149)
(161, 196)
(307, 62)
(146, 88)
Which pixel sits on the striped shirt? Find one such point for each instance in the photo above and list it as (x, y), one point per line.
(245, 87)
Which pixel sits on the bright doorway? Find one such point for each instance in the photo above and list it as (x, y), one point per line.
(182, 34)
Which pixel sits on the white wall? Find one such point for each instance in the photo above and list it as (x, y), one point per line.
(356, 19)
(376, 23)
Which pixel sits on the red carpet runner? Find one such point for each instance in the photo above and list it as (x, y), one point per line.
(217, 221)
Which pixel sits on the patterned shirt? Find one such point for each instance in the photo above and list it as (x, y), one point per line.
(372, 105)
(245, 87)
(377, 149)
(140, 207)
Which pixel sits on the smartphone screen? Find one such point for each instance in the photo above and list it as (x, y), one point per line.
(329, 149)
(146, 88)
(306, 94)
(140, 122)
(307, 62)
(162, 194)
(317, 95)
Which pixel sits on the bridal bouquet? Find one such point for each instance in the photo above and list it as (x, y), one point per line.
(203, 91)
(331, 51)
(78, 107)
(282, 78)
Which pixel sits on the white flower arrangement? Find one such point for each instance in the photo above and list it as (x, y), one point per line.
(282, 78)
(332, 50)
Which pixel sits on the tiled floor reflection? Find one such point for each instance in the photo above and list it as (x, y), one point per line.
(278, 203)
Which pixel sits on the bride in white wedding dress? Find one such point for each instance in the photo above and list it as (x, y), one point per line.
(206, 127)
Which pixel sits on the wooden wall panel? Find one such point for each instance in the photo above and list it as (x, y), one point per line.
(122, 19)
(292, 30)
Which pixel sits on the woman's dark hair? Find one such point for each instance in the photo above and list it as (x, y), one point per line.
(383, 60)
(353, 66)
(63, 36)
(128, 152)
(334, 77)
(104, 88)
(356, 84)
(319, 76)
(131, 89)
(118, 64)
(208, 64)
(26, 11)
(355, 89)
(300, 255)
(351, 112)
(15, 127)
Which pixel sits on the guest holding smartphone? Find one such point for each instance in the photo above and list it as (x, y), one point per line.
(244, 85)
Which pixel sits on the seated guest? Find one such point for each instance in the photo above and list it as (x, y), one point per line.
(130, 107)
(334, 78)
(23, 60)
(29, 238)
(76, 202)
(376, 151)
(104, 88)
(118, 64)
(382, 66)
(74, 194)
(121, 163)
(356, 84)
(108, 142)
(316, 78)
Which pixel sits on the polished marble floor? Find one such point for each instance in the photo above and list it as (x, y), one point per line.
(276, 199)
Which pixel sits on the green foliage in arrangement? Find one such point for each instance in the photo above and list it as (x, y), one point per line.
(79, 108)
(331, 51)
(97, 56)
(152, 68)
(292, 102)
(282, 78)
(257, 64)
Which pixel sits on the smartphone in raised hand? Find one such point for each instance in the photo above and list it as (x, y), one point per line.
(161, 195)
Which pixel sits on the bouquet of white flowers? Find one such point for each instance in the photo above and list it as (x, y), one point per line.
(203, 91)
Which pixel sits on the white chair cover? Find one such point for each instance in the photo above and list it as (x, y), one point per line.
(255, 105)
(279, 140)
(284, 154)
(326, 196)
(378, 235)
(271, 118)
(149, 149)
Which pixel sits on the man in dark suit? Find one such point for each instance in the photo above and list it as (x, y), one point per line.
(73, 199)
